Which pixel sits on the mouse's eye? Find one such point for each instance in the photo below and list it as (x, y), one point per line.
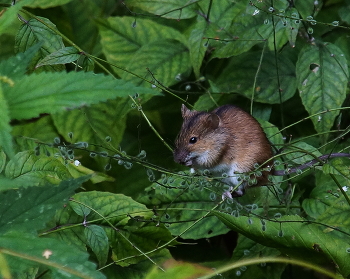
(193, 140)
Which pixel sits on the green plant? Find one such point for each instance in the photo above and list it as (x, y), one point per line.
(90, 106)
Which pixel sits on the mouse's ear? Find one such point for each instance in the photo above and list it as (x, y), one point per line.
(186, 113)
(212, 121)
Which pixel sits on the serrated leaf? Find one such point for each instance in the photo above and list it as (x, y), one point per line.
(54, 92)
(61, 56)
(105, 119)
(97, 239)
(33, 32)
(44, 4)
(5, 128)
(176, 9)
(292, 236)
(167, 60)
(27, 169)
(247, 28)
(337, 215)
(24, 251)
(120, 40)
(243, 70)
(322, 76)
(339, 166)
(116, 207)
(28, 209)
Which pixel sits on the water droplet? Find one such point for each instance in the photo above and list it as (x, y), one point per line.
(310, 30)
(297, 21)
(92, 154)
(246, 252)
(294, 15)
(133, 25)
(238, 273)
(70, 135)
(108, 139)
(271, 9)
(313, 22)
(153, 86)
(309, 18)
(188, 87)
(57, 140)
(278, 215)
(263, 228)
(335, 23)
(256, 12)
(305, 82)
(250, 221)
(243, 268)
(277, 163)
(347, 250)
(266, 21)
(212, 196)
(178, 77)
(108, 167)
(280, 233)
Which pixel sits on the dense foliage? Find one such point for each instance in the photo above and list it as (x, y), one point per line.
(90, 97)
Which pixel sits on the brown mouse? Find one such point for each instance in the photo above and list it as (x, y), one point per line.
(226, 140)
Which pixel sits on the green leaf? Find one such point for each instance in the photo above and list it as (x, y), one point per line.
(5, 128)
(197, 45)
(181, 208)
(308, 8)
(339, 166)
(33, 32)
(167, 60)
(116, 208)
(10, 16)
(292, 236)
(25, 251)
(28, 209)
(246, 30)
(27, 169)
(300, 152)
(54, 92)
(120, 40)
(44, 4)
(322, 76)
(97, 239)
(176, 9)
(293, 24)
(243, 70)
(323, 195)
(105, 119)
(16, 66)
(2, 160)
(62, 56)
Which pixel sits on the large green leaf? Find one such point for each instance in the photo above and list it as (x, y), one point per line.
(41, 31)
(44, 4)
(24, 251)
(120, 40)
(249, 27)
(167, 60)
(242, 71)
(28, 209)
(105, 119)
(116, 208)
(10, 16)
(27, 169)
(293, 236)
(54, 92)
(322, 77)
(5, 128)
(176, 9)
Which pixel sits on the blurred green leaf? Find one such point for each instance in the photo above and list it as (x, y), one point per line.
(24, 251)
(54, 92)
(298, 152)
(44, 4)
(322, 76)
(28, 209)
(5, 128)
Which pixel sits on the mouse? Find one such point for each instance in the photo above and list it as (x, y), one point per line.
(226, 140)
